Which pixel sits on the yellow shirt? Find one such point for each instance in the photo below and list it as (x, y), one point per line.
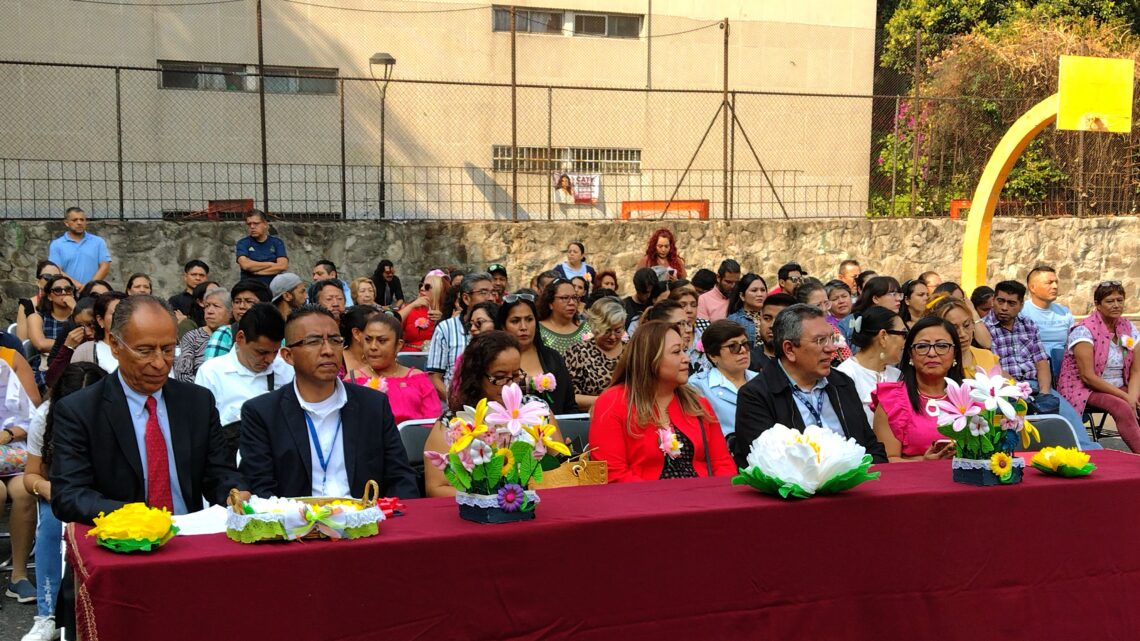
(983, 358)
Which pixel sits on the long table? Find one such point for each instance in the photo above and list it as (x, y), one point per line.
(911, 555)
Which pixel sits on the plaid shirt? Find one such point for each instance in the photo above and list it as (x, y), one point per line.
(220, 343)
(1019, 349)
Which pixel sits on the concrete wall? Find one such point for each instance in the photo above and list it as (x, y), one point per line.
(1084, 251)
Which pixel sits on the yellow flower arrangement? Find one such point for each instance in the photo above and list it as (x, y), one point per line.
(1062, 461)
(133, 527)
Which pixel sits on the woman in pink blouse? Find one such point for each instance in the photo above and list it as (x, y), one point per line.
(410, 392)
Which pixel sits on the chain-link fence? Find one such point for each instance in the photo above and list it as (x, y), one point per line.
(184, 140)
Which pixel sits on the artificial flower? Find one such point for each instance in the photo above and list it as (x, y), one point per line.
(378, 383)
(668, 442)
(465, 460)
(511, 497)
(1127, 342)
(465, 434)
(481, 453)
(807, 460)
(1024, 389)
(625, 337)
(544, 382)
(587, 337)
(541, 432)
(1010, 424)
(512, 413)
(437, 459)
(422, 323)
(508, 457)
(132, 521)
(1001, 465)
(957, 408)
(993, 390)
(979, 426)
(588, 278)
(474, 415)
(699, 346)
(1029, 434)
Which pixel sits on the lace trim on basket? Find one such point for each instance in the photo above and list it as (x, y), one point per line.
(488, 500)
(981, 464)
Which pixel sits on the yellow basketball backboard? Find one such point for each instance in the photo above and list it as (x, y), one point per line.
(1095, 94)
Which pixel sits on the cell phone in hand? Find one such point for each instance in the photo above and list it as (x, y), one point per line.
(941, 444)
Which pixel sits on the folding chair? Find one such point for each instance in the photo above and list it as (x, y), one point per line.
(1055, 432)
(414, 434)
(1095, 418)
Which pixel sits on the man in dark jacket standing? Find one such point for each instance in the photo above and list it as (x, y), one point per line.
(799, 388)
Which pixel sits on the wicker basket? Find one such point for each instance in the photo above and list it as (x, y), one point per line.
(371, 494)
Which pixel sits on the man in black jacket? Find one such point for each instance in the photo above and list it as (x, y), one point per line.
(799, 388)
(318, 436)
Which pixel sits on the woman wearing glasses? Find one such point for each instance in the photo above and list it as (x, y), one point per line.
(649, 424)
(480, 319)
(883, 291)
(727, 348)
(746, 301)
(879, 335)
(217, 311)
(591, 363)
(49, 319)
(25, 307)
(422, 314)
(558, 316)
(491, 361)
(930, 356)
(1099, 367)
(518, 317)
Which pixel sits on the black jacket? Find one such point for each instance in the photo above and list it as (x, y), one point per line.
(767, 399)
(97, 466)
(275, 455)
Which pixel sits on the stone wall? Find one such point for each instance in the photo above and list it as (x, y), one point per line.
(1084, 250)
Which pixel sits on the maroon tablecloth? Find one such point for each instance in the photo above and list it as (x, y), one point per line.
(909, 556)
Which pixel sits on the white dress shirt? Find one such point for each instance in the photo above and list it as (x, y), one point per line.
(233, 383)
(325, 417)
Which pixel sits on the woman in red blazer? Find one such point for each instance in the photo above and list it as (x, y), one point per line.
(649, 424)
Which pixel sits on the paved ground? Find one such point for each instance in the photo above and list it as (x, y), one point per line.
(16, 618)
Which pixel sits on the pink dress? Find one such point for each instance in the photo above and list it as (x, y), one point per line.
(411, 396)
(915, 430)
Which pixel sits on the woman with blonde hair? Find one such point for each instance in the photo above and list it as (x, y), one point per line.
(959, 313)
(592, 362)
(363, 291)
(422, 314)
(650, 424)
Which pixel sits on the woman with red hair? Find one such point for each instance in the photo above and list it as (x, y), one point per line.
(662, 252)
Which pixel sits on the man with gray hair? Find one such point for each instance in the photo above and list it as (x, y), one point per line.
(138, 435)
(800, 388)
(450, 337)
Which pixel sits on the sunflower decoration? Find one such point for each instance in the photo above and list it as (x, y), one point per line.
(1001, 464)
(1068, 462)
(133, 528)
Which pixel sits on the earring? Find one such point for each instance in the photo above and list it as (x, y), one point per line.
(955, 363)
(882, 354)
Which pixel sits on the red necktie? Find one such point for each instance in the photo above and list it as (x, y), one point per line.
(157, 464)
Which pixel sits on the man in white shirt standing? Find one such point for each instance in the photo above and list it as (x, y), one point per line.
(1052, 319)
(318, 436)
(251, 369)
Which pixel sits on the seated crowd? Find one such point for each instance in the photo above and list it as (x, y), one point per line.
(278, 386)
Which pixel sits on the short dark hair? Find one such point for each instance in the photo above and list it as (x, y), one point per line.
(545, 302)
(262, 320)
(850, 262)
(72, 209)
(660, 311)
(328, 282)
(718, 333)
(385, 263)
(981, 294)
(253, 286)
(947, 287)
(355, 317)
(863, 277)
(727, 266)
(704, 279)
(392, 322)
(102, 302)
(779, 299)
(1039, 269)
(191, 264)
(1107, 288)
(256, 213)
(789, 324)
(644, 280)
(329, 265)
(1011, 287)
(787, 268)
(874, 320)
(308, 309)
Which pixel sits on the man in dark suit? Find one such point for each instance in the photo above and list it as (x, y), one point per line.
(318, 436)
(137, 435)
(799, 388)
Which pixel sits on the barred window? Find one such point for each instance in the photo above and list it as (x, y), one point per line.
(586, 160)
(552, 21)
(208, 76)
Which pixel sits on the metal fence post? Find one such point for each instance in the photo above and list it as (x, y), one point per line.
(549, 150)
(724, 138)
(261, 100)
(343, 169)
(119, 137)
(514, 125)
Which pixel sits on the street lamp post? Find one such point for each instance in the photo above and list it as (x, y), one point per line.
(387, 62)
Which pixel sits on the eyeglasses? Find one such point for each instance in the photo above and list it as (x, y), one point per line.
(616, 332)
(146, 352)
(335, 340)
(496, 267)
(823, 342)
(478, 323)
(737, 348)
(62, 290)
(1109, 283)
(941, 349)
(568, 298)
(795, 279)
(482, 292)
(514, 298)
(499, 381)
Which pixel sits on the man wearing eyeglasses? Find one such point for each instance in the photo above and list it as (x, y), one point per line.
(318, 436)
(81, 256)
(450, 337)
(800, 388)
(1018, 346)
(790, 276)
(138, 435)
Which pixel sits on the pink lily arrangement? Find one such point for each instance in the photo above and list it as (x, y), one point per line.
(984, 415)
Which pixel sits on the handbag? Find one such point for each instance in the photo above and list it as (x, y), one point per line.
(13, 457)
(573, 472)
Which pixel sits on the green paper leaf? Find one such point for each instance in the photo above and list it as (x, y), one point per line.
(537, 473)
(479, 473)
(462, 476)
(768, 485)
(849, 479)
(948, 432)
(495, 470)
(524, 459)
(549, 462)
